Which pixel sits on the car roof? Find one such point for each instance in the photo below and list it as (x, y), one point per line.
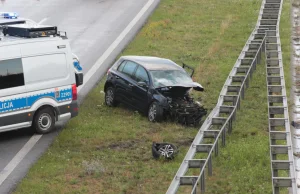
(154, 63)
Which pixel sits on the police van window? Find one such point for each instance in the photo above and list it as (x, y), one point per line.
(129, 68)
(45, 68)
(11, 74)
(141, 75)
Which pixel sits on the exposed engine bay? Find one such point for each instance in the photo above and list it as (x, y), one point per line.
(182, 107)
(186, 111)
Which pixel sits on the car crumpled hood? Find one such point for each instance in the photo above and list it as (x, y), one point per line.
(180, 89)
(194, 85)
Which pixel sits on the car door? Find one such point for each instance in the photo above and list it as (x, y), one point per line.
(124, 82)
(119, 83)
(140, 93)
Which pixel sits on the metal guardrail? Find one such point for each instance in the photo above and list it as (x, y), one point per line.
(219, 121)
(281, 149)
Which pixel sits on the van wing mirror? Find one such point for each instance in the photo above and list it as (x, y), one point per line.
(188, 69)
(79, 79)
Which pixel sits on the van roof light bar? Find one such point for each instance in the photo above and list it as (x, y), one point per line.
(22, 30)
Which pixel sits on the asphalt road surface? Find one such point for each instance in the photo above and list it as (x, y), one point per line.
(98, 31)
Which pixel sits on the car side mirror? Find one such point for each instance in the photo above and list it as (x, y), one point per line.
(143, 84)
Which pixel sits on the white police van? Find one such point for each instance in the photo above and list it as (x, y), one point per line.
(39, 76)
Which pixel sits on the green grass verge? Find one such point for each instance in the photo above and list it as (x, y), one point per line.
(108, 150)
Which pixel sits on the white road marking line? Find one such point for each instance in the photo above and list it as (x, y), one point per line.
(35, 138)
(18, 157)
(114, 45)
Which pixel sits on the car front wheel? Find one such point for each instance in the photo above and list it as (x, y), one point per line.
(155, 112)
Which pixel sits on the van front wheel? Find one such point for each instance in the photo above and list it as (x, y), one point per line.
(44, 120)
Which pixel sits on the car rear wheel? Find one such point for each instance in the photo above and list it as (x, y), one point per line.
(155, 112)
(110, 97)
(44, 120)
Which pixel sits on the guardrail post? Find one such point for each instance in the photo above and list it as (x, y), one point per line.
(194, 186)
(276, 190)
(224, 137)
(243, 92)
(254, 65)
(216, 147)
(202, 183)
(209, 166)
(230, 126)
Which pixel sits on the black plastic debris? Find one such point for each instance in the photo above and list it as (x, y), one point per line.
(164, 150)
(186, 111)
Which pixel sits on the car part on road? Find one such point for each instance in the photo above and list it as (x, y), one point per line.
(264, 38)
(164, 150)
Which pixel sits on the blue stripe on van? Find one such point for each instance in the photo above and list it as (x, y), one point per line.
(14, 104)
(24, 103)
(77, 66)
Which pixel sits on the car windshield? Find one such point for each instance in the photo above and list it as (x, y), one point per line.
(163, 78)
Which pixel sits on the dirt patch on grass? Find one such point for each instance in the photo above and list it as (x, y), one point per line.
(225, 24)
(121, 145)
(187, 141)
(213, 49)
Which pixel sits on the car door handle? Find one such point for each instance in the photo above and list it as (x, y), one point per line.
(117, 77)
(130, 85)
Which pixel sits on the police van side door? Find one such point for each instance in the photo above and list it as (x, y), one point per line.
(12, 90)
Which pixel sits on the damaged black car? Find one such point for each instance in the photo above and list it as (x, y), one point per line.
(156, 86)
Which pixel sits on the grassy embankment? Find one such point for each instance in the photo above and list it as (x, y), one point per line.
(108, 150)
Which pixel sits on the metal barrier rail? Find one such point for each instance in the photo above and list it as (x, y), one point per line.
(279, 125)
(221, 117)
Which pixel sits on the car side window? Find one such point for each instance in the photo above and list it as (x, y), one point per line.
(129, 68)
(120, 68)
(141, 75)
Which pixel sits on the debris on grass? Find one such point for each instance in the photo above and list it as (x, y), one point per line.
(164, 150)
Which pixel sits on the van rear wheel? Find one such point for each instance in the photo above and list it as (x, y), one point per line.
(44, 120)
